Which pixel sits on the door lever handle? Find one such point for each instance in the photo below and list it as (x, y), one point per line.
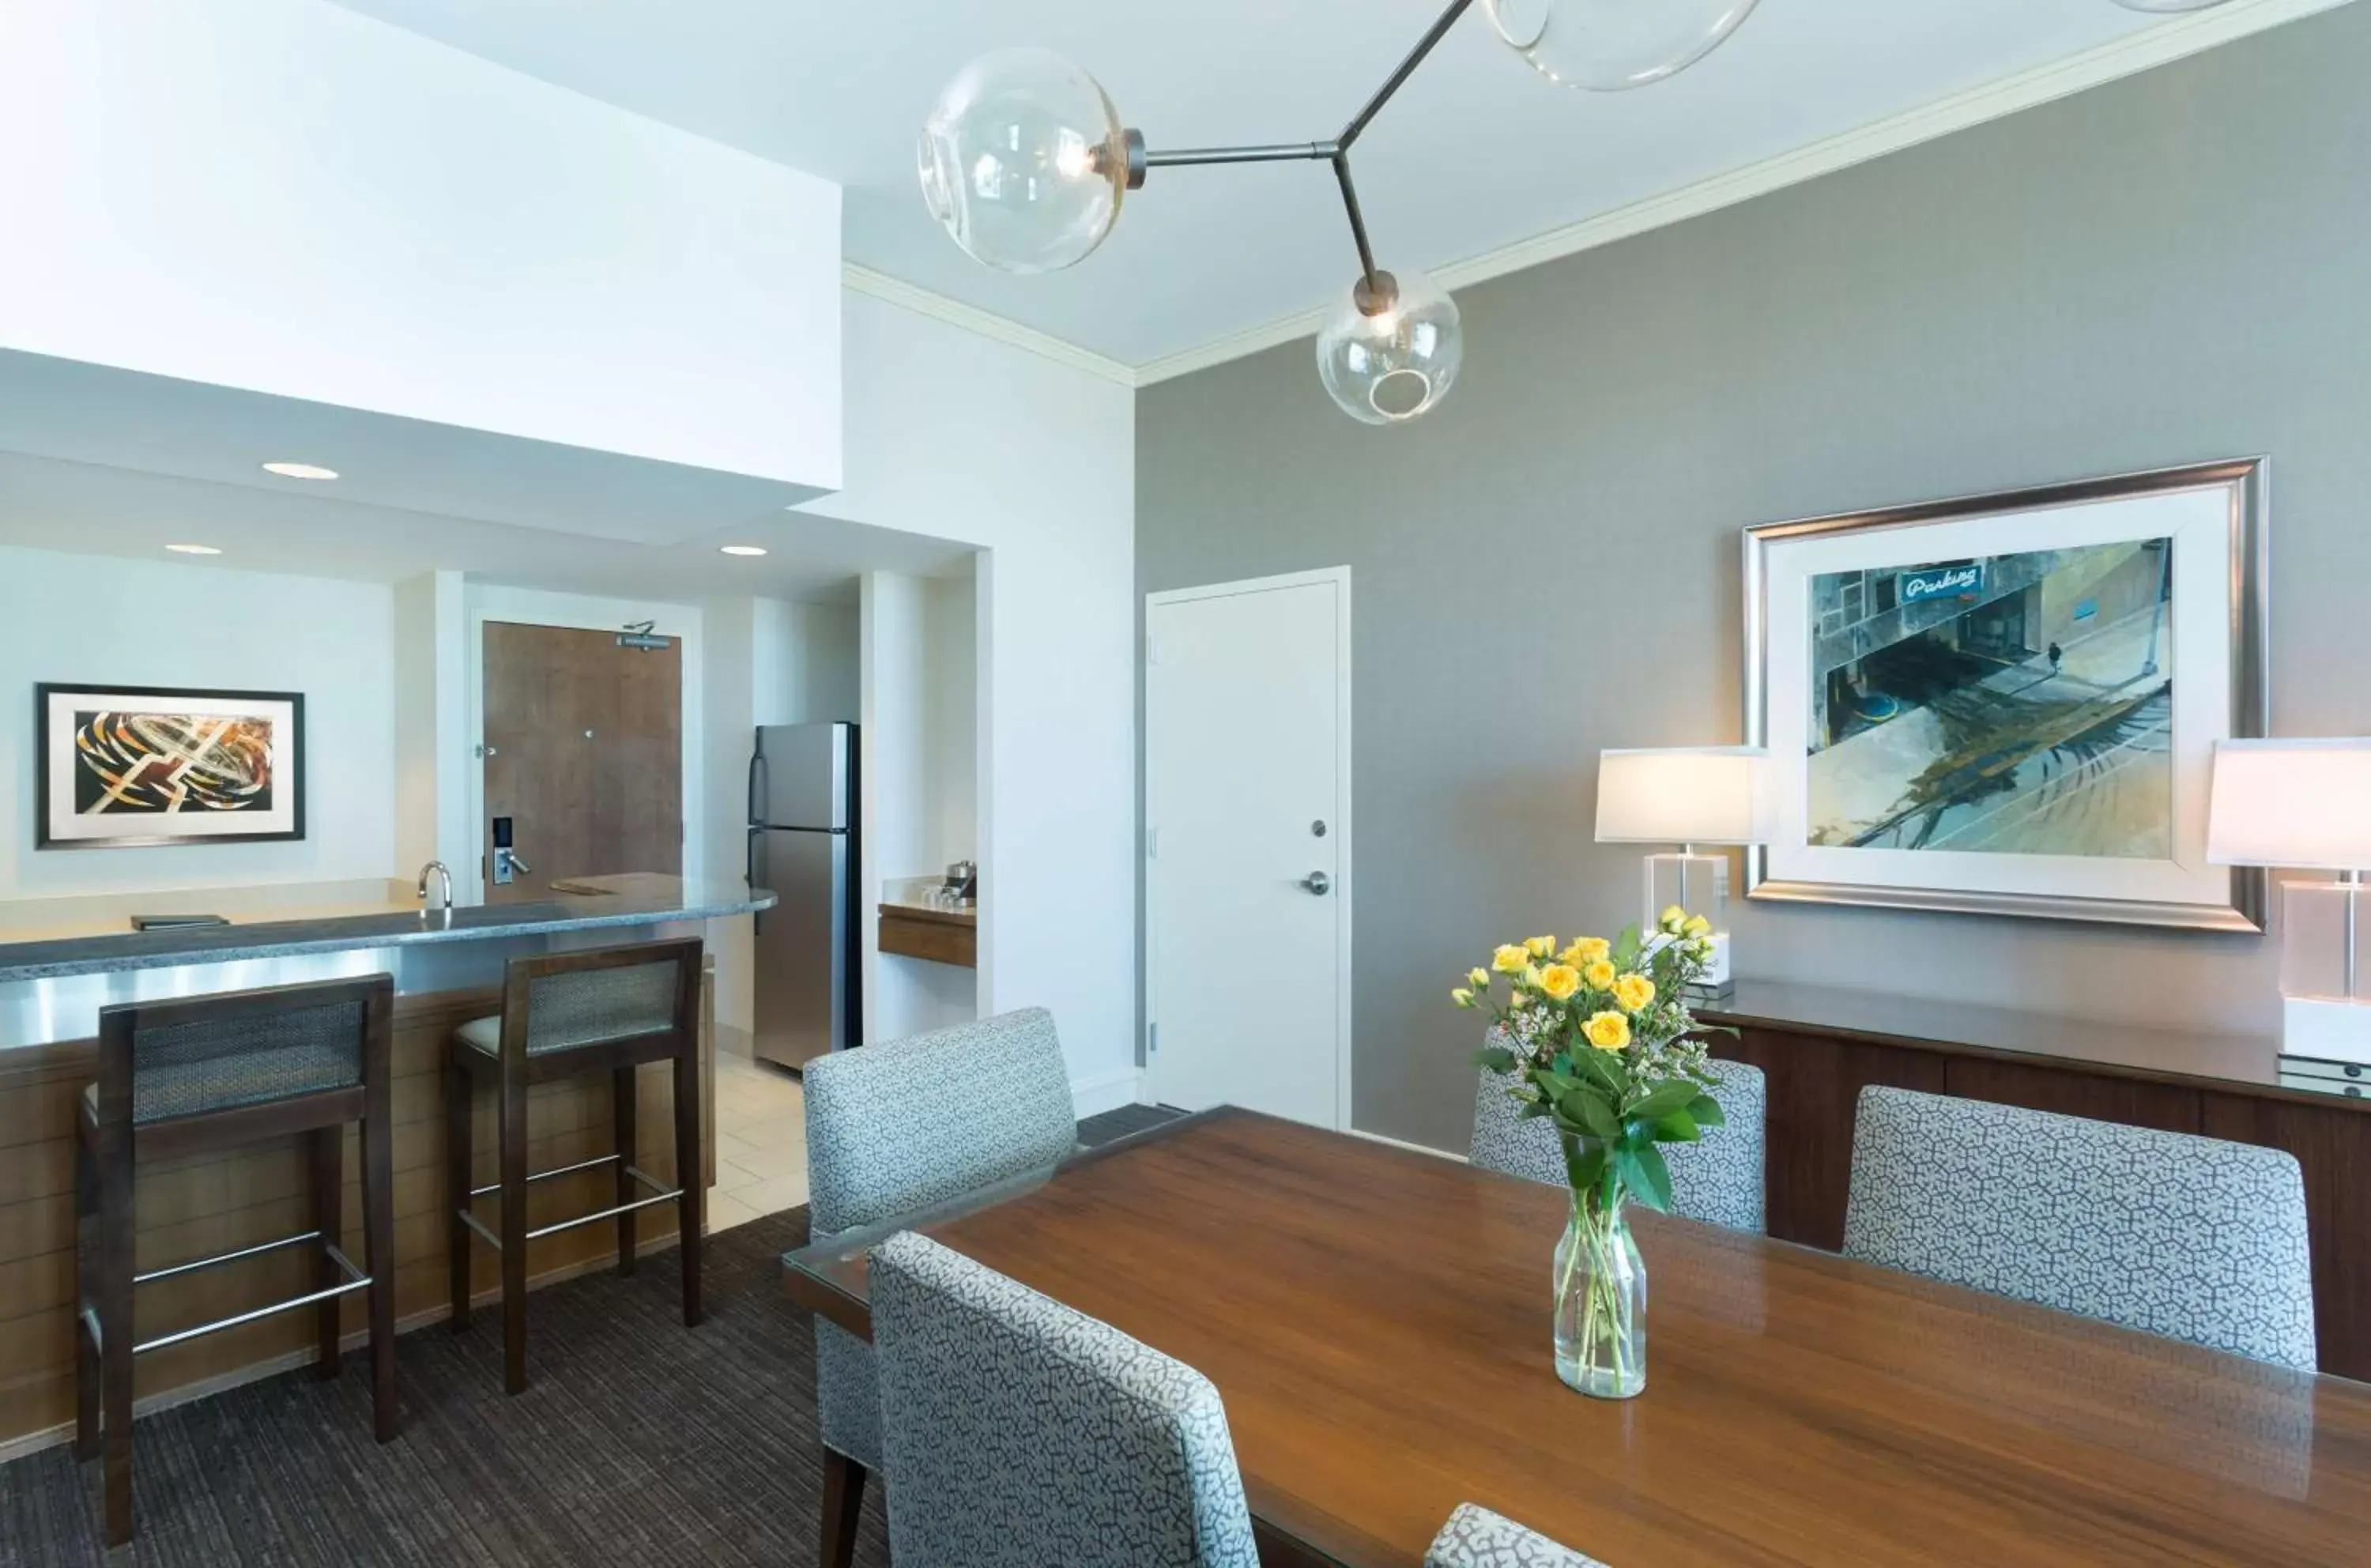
(1318, 883)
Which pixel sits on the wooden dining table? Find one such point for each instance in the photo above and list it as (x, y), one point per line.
(1377, 1322)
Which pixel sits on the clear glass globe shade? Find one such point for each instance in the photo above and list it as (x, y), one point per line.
(2164, 6)
(1607, 45)
(1392, 365)
(1025, 160)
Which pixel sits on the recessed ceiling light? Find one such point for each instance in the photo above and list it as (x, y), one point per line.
(193, 550)
(743, 549)
(300, 472)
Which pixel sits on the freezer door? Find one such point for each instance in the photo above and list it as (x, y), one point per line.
(801, 945)
(799, 776)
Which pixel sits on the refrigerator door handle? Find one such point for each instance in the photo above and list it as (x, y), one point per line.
(749, 875)
(756, 791)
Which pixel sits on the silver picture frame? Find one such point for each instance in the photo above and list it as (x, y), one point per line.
(2247, 482)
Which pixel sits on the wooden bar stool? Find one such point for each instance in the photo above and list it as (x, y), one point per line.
(206, 1072)
(571, 1015)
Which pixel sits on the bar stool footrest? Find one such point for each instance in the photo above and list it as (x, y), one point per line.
(661, 1190)
(355, 1280)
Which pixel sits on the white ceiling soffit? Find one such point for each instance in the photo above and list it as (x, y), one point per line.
(309, 530)
(98, 414)
(1478, 167)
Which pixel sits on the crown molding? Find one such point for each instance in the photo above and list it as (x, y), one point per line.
(986, 323)
(2176, 38)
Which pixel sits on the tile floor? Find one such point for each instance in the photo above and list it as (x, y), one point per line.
(761, 1142)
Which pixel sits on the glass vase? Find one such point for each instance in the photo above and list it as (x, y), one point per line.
(1600, 1301)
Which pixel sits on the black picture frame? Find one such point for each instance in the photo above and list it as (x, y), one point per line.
(295, 760)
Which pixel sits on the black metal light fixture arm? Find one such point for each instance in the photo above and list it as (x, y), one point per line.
(1336, 151)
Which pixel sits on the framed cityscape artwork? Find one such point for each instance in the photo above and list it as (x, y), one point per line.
(2008, 704)
(126, 767)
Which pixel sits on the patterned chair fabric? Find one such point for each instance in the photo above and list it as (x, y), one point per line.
(1718, 1180)
(187, 1069)
(1476, 1537)
(1020, 1433)
(2188, 1237)
(587, 1007)
(895, 1127)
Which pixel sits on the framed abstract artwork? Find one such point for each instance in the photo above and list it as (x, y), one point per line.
(2008, 704)
(138, 766)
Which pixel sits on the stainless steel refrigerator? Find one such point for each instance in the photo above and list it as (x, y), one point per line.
(802, 842)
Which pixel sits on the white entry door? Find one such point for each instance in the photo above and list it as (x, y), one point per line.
(1248, 845)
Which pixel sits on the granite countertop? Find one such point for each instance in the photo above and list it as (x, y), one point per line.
(577, 904)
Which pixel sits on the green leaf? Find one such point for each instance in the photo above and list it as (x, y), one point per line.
(1498, 1059)
(1677, 1128)
(1588, 1109)
(1642, 1170)
(1626, 948)
(1583, 1166)
(1601, 1070)
(1664, 1099)
(1705, 1112)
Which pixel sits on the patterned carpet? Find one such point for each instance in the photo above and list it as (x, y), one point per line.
(639, 1443)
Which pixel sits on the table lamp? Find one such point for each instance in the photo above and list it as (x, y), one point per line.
(2306, 805)
(1689, 796)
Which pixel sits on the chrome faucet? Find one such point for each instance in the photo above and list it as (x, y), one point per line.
(444, 880)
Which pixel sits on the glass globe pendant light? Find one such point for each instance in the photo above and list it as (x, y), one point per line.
(1024, 161)
(1607, 45)
(1389, 348)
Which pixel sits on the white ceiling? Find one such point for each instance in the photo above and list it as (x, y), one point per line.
(1477, 153)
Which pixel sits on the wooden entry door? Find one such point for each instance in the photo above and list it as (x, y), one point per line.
(584, 754)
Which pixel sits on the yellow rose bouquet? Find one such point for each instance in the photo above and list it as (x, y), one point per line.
(1597, 1039)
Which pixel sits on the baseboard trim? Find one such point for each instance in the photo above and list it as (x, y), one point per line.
(34, 1442)
(1106, 1091)
(1402, 1143)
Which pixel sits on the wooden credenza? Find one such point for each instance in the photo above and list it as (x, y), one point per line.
(1820, 1047)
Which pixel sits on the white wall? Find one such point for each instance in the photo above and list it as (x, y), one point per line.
(950, 720)
(1034, 461)
(286, 197)
(68, 617)
(433, 757)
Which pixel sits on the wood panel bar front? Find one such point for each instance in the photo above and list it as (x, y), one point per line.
(200, 1206)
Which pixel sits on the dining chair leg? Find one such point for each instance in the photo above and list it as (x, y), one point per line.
(459, 1136)
(690, 1171)
(87, 1284)
(116, 1267)
(378, 1241)
(328, 1176)
(514, 1227)
(843, 1497)
(622, 1091)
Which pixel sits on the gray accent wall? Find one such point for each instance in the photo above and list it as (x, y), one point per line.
(2172, 267)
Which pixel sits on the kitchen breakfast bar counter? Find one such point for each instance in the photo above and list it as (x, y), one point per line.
(447, 966)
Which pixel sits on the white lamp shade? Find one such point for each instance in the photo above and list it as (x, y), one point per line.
(1683, 795)
(2299, 803)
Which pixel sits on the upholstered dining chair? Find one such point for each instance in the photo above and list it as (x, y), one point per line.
(1718, 1180)
(1019, 1433)
(895, 1127)
(2188, 1237)
(1476, 1537)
